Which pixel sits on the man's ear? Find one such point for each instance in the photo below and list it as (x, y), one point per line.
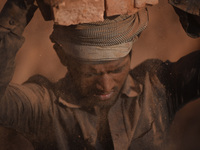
(61, 54)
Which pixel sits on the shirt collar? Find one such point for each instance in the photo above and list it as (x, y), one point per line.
(67, 104)
(131, 87)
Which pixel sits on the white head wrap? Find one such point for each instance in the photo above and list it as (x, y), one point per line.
(101, 41)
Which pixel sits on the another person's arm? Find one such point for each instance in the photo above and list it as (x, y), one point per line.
(182, 81)
(184, 75)
(189, 15)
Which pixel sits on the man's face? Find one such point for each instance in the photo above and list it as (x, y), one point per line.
(99, 83)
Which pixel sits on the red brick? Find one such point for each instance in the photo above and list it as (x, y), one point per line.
(67, 12)
(78, 11)
(117, 7)
(152, 2)
(142, 3)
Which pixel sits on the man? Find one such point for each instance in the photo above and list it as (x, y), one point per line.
(101, 103)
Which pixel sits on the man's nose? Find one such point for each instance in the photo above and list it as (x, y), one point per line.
(105, 83)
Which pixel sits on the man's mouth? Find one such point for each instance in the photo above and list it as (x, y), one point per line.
(104, 96)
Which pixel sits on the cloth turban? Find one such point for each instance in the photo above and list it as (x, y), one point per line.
(110, 39)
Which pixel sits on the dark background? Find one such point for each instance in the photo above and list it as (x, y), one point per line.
(164, 38)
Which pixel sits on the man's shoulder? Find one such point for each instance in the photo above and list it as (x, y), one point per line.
(35, 85)
(41, 81)
(31, 94)
(149, 66)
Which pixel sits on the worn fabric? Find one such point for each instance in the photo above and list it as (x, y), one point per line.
(97, 53)
(108, 40)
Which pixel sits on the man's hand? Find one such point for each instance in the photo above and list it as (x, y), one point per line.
(16, 14)
(26, 5)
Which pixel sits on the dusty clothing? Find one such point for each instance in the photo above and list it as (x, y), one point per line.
(51, 122)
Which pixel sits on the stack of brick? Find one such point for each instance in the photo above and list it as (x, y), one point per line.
(68, 12)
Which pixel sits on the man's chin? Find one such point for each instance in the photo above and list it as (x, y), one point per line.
(108, 103)
(100, 100)
(104, 101)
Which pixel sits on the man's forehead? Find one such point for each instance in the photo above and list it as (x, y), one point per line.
(99, 65)
(100, 62)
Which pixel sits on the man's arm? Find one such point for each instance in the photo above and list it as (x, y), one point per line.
(14, 17)
(17, 102)
(27, 108)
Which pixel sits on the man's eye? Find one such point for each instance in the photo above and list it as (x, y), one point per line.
(87, 75)
(116, 70)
